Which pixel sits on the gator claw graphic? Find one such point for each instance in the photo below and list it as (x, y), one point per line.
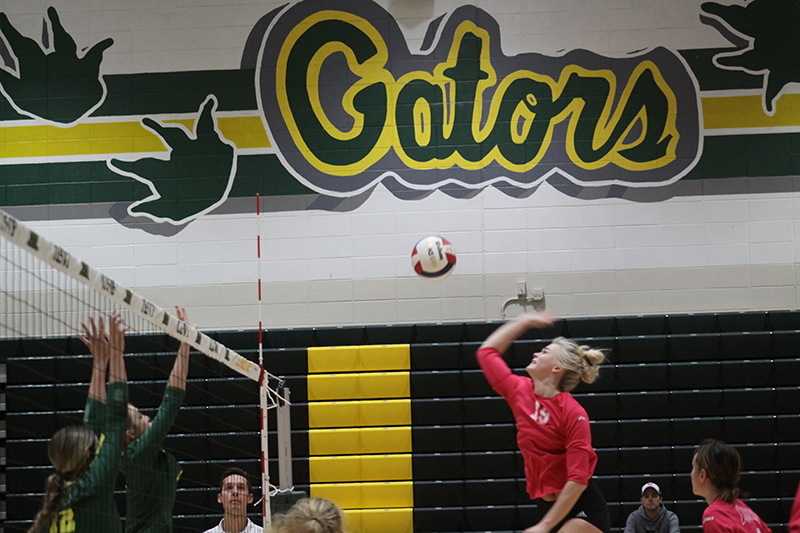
(57, 86)
(771, 28)
(195, 178)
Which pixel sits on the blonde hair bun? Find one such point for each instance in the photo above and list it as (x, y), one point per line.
(579, 362)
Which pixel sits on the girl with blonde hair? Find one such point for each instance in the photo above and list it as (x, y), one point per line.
(311, 515)
(79, 496)
(552, 428)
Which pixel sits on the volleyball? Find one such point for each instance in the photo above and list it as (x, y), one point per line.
(433, 258)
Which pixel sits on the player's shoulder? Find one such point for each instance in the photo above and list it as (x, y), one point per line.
(572, 407)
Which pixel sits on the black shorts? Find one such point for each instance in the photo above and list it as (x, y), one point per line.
(591, 506)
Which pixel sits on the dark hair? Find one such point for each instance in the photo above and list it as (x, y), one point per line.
(233, 471)
(722, 465)
(71, 451)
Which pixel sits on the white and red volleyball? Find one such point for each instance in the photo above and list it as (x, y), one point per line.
(433, 258)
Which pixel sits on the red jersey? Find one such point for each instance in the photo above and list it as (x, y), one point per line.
(552, 433)
(735, 517)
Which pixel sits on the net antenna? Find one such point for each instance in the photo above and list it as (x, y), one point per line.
(51, 301)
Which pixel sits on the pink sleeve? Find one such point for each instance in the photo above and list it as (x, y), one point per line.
(794, 519)
(497, 373)
(581, 457)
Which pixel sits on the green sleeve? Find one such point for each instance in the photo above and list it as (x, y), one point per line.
(149, 444)
(95, 415)
(103, 473)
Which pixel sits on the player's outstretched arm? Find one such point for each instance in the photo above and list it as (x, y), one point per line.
(96, 341)
(502, 337)
(180, 369)
(116, 347)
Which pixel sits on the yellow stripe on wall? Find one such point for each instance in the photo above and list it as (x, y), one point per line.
(367, 495)
(359, 358)
(359, 417)
(356, 386)
(379, 520)
(115, 138)
(353, 468)
(357, 441)
(722, 112)
(359, 413)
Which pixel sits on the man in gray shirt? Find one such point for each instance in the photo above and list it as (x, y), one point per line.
(652, 516)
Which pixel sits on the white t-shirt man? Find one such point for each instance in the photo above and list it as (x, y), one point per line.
(249, 528)
(235, 495)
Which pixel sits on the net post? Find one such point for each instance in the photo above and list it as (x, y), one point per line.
(284, 438)
(263, 389)
(266, 512)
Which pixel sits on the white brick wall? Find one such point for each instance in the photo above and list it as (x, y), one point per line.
(711, 252)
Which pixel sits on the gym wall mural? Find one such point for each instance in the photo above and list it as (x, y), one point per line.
(330, 101)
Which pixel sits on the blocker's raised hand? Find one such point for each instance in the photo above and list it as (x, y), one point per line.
(54, 83)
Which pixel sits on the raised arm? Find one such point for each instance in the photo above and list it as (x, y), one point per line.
(151, 440)
(98, 482)
(502, 337)
(98, 346)
(180, 369)
(116, 346)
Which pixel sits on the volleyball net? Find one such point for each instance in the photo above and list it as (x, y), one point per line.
(46, 294)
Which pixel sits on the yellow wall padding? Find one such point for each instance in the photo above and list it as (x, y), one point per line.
(338, 469)
(386, 357)
(386, 467)
(353, 468)
(358, 386)
(367, 495)
(333, 359)
(386, 440)
(358, 441)
(345, 495)
(385, 385)
(387, 521)
(359, 413)
(359, 358)
(352, 520)
(334, 414)
(379, 520)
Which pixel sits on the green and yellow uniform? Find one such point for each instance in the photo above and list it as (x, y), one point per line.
(90, 506)
(152, 473)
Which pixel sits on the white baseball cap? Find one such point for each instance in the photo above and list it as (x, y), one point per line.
(651, 486)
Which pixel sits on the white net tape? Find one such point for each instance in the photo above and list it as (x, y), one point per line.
(27, 298)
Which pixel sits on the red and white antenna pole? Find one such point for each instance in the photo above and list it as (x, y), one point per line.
(263, 388)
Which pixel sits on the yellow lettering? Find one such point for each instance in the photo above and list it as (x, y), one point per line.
(64, 522)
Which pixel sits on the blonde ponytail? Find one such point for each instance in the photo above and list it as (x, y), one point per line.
(579, 363)
(71, 451)
(54, 494)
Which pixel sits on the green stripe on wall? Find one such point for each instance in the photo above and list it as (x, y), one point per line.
(756, 156)
(92, 182)
(169, 92)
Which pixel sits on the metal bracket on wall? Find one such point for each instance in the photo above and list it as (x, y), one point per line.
(524, 299)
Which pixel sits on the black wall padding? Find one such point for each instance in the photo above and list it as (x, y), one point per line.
(670, 381)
